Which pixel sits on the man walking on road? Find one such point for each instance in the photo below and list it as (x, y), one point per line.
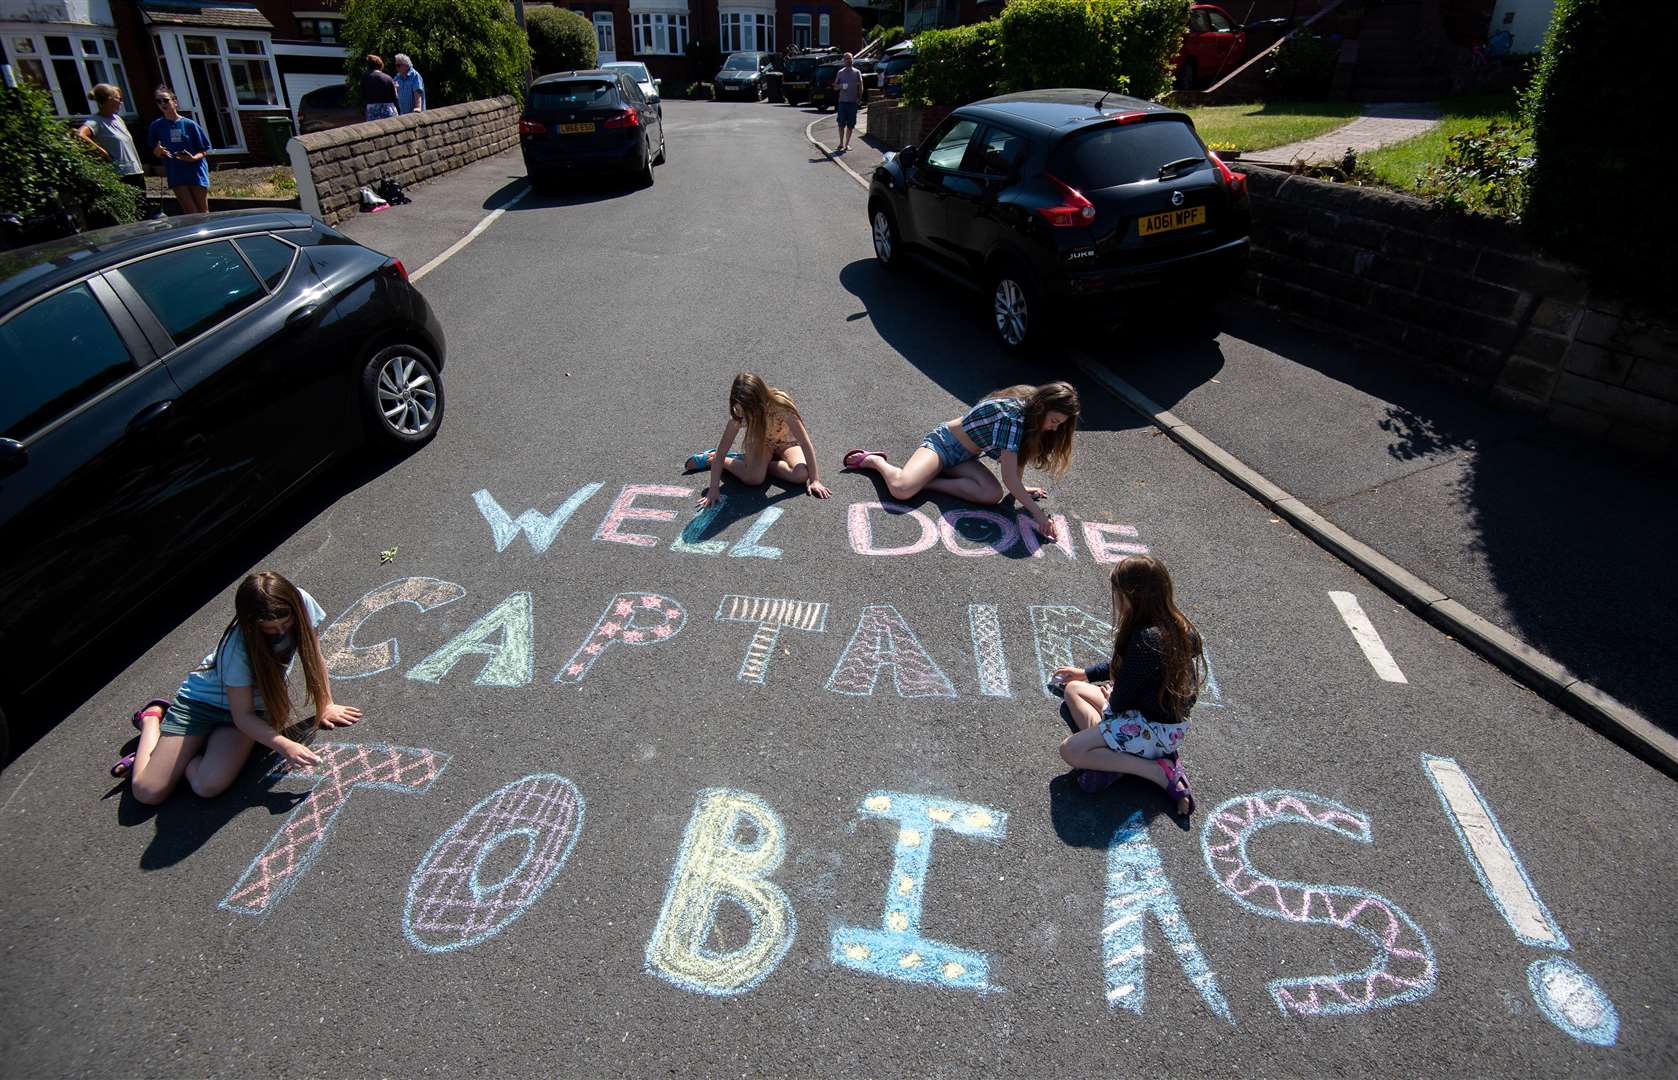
(410, 87)
(848, 81)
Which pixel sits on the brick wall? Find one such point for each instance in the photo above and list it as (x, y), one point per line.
(1470, 297)
(893, 126)
(332, 166)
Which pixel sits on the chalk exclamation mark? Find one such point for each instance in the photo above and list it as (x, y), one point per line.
(1568, 997)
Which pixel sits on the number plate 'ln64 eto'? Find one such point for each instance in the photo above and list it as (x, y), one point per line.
(1171, 219)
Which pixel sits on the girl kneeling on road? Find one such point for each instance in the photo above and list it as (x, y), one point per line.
(237, 697)
(1136, 725)
(1034, 424)
(777, 443)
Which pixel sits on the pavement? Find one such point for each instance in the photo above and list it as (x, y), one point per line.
(817, 827)
(1379, 125)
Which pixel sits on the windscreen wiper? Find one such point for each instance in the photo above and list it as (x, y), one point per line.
(1173, 166)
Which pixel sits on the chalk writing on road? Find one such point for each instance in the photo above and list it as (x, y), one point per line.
(343, 768)
(715, 867)
(1136, 888)
(897, 950)
(1067, 636)
(770, 615)
(507, 661)
(1567, 996)
(884, 642)
(347, 660)
(1402, 968)
(450, 906)
(630, 618)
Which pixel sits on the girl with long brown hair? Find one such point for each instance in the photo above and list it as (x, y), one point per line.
(1135, 725)
(777, 442)
(1031, 425)
(237, 697)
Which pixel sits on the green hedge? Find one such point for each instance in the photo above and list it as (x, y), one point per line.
(955, 66)
(560, 40)
(1596, 192)
(1121, 45)
(44, 164)
(465, 49)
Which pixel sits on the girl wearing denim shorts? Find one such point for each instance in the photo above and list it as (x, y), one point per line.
(1137, 724)
(1033, 425)
(236, 698)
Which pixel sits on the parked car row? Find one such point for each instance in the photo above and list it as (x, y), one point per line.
(164, 383)
(1054, 198)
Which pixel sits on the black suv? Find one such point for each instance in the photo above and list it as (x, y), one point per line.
(1055, 195)
(590, 121)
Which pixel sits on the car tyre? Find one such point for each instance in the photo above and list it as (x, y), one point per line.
(888, 243)
(1016, 308)
(402, 395)
(663, 154)
(646, 174)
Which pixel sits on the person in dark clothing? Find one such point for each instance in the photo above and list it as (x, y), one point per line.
(1137, 724)
(378, 90)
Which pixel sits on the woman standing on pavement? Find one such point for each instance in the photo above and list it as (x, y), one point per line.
(106, 133)
(183, 146)
(378, 90)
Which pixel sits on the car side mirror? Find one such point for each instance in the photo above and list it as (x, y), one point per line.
(658, 84)
(908, 154)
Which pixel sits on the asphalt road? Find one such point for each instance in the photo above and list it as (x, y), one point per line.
(641, 859)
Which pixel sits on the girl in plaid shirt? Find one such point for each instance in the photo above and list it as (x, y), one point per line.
(1030, 424)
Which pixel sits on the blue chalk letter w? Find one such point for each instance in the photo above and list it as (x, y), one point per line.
(540, 528)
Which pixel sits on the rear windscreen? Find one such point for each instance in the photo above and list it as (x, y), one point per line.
(1122, 154)
(573, 95)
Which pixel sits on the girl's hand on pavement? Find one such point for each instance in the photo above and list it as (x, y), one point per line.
(1070, 674)
(710, 498)
(818, 489)
(296, 754)
(1046, 526)
(1037, 492)
(336, 715)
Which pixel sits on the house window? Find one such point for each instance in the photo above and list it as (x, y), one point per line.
(658, 33)
(747, 31)
(801, 31)
(68, 68)
(826, 38)
(325, 30)
(247, 61)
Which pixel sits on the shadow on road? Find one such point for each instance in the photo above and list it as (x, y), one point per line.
(578, 191)
(132, 636)
(185, 822)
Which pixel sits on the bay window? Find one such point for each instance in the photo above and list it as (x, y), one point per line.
(801, 31)
(68, 66)
(747, 31)
(659, 33)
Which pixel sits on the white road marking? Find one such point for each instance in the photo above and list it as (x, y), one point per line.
(477, 231)
(1495, 861)
(1363, 631)
(832, 155)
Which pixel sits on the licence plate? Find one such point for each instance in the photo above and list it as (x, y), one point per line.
(576, 129)
(1171, 219)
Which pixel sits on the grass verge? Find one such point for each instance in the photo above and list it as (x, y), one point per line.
(1262, 125)
(1400, 165)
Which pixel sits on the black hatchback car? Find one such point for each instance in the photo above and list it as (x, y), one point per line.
(162, 384)
(599, 121)
(1052, 196)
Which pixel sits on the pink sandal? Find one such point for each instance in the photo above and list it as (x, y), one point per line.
(159, 702)
(854, 458)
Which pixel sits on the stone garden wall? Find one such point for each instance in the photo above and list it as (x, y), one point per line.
(1470, 297)
(332, 166)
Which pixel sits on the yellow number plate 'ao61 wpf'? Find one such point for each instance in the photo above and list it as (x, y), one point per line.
(576, 129)
(1171, 219)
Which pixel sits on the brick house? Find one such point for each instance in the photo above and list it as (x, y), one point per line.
(231, 65)
(657, 32)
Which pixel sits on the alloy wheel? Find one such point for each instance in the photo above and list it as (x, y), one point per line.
(882, 236)
(1012, 316)
(407, 397)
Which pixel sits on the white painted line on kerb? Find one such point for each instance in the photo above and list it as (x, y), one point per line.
(1494, 860)
(477, 231)
(1368, 640)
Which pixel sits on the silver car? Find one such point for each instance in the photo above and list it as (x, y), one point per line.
(649, 85)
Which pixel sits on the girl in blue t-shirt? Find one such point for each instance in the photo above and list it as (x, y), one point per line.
(1030, 425)
(237, 697)
(181, 143)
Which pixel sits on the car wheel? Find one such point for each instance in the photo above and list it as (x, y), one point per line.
(1015, 308)
(1186, 75)
(402, 394)
(646, 166)
(663, 154)
(888, 247)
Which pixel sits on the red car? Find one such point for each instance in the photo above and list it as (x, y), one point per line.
(1212, 48)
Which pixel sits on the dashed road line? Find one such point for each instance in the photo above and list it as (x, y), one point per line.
(1363, 632)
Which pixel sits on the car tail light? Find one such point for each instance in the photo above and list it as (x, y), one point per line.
(629, 118)
(1073, 209)
(401, 271)
(532, 127)
(1234, 181)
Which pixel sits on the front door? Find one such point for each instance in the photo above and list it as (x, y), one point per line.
(605, 37)
(930, 180)
(215, 110)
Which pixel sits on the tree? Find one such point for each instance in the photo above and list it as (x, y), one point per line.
(43, 165)
(560, 39)
(465, 49)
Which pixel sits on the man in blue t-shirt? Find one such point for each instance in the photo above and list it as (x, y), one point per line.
(410, 87)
